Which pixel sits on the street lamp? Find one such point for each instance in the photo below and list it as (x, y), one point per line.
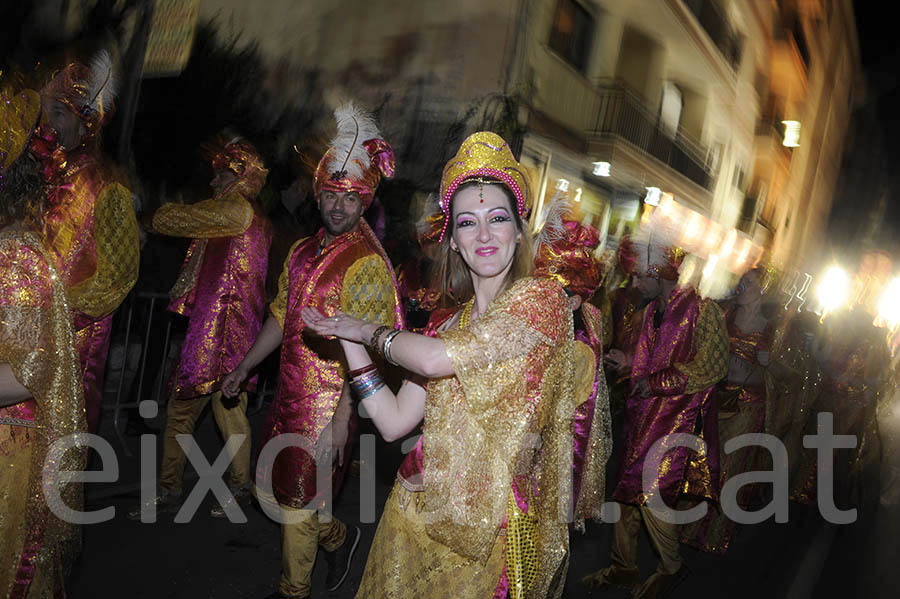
(791, 134)
(601, 169)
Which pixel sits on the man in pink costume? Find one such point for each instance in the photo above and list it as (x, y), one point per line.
(681, 353)
(89, 228)
(340, 268)
(222, 291)
(564, 252)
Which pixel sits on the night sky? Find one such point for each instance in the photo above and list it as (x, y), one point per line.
(869, 169)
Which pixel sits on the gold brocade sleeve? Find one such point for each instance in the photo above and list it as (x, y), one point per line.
(218, 217)
(603, 307)
(368, 291)
(710, 363)
(278, 307)
(585, 369)
(118, 255)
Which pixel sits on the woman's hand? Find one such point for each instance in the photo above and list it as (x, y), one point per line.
(340, 325)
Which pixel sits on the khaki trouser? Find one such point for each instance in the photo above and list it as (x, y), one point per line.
(299, 543)
(181, 418)
(626, 534)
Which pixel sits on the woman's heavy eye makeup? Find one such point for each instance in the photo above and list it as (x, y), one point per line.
(497, 215)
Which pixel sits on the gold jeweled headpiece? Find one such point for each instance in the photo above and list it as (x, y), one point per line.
(485, 155)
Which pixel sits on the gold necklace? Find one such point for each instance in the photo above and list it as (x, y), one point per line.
(466, 314)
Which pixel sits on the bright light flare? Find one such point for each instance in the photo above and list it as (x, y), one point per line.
(601, 169)
(889, 304)
(791, 134)
(834, 289)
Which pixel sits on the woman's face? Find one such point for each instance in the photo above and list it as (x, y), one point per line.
(484, 230)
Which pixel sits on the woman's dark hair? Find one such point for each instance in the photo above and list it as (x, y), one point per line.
(21, 189)
(452, 275)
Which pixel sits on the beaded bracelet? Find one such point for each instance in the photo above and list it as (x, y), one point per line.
(373, 341)
(386, 347)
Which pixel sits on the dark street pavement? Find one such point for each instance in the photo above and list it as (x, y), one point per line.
(210, 558)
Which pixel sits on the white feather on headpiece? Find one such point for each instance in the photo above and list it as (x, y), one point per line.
(553, 229)
(102, 84)
(354, 126)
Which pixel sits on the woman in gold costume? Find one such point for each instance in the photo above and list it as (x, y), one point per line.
(40, 381)
(479, 506)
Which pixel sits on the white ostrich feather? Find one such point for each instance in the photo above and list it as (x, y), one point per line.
(102, 84)
(553, 229)
(354, 126)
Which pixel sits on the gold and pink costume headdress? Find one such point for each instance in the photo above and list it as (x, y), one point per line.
(89, 92)
(357, 157)
(485, 155)
(564, 252)
(241, 157)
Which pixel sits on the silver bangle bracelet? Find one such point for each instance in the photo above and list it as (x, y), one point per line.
(386, 348)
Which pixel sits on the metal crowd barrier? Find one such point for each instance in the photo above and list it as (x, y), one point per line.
(121, 405)
(160, 381)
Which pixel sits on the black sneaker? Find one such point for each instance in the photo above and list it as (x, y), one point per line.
(340, 559)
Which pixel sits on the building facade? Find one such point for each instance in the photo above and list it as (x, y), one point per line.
(735, 109)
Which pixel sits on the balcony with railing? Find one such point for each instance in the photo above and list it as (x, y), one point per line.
(622, 116)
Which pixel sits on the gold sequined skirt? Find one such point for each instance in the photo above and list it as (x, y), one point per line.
(15, 465)
(404, 562)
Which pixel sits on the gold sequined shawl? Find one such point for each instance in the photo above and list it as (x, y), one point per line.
(588, 505)
(36, 340)
(506, 413)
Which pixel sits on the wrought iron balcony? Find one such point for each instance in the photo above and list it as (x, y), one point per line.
(622, 115)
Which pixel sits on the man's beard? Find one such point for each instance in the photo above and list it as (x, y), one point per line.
(342, 227)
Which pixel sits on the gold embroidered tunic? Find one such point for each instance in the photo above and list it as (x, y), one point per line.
(503, 421)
